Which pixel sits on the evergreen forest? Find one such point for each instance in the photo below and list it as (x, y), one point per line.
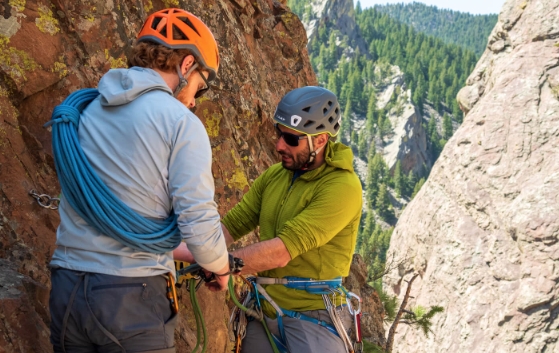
(453, 27)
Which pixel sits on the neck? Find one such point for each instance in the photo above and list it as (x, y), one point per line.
(170, 78)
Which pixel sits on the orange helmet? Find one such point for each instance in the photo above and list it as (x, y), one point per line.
(196, 36)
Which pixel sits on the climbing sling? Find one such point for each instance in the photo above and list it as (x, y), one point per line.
(90, 197)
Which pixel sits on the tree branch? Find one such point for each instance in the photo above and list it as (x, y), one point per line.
(392, 331)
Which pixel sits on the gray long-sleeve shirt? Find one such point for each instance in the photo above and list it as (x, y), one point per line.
(155, 156)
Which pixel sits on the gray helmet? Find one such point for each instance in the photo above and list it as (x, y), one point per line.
(310, 110)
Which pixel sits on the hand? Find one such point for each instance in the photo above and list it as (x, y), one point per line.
(221, 281)
(219, 284)
(183, 254)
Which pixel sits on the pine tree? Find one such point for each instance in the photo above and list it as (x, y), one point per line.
(399, 183)
(418, 187)
(371, 111)
(367, 232)
(345, 127)
(358, 9)
(375, 174)
(411, 180)
(382, 203)
(447, 127)
(362, 145)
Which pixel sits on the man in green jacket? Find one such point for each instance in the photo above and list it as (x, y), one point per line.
(308, 209)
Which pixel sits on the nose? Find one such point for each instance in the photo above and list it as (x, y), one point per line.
(192, 103)
(280, 144)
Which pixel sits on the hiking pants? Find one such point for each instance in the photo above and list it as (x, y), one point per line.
(302, 336)
(93, 312)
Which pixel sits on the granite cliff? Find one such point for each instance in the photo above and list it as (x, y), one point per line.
(483, 232)
(51, 48)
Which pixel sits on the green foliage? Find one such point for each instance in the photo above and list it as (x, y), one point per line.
(417, 187)
(371, 348)
(399, 179)
(464, 29)
(389, 302)
(376, 174)
(421, 318)
(374, 244)
(363, 147)
(447, 127)
(383, 205)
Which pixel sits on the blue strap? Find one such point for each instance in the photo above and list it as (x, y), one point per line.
(280, 345)
(90, 197)
(298, 315)
(312, 286)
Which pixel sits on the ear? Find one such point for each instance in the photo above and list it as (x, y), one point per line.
(321, 140)
(187, 62)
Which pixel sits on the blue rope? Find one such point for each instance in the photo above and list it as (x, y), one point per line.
(90, 197)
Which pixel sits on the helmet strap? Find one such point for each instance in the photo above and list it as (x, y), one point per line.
(312, 155)
(182, 80)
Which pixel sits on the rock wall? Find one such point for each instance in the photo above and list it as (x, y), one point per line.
(341, 13)
(483, 233)
(408, 141)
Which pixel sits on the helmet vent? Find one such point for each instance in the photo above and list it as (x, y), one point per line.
(320, 127)
(155, 23)
(324, 111)
(330, 103)
(307, 109)
(336, 127)
(188, 23)
(331, 119)
(337, 111)
(178, 34)
(308, 123)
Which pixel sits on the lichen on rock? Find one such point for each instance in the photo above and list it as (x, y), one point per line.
(46, 22)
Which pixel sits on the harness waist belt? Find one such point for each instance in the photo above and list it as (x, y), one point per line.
(322, 286)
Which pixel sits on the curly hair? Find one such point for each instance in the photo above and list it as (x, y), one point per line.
(156, 56)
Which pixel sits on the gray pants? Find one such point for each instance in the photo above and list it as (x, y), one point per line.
(94, 312)
(302, 336)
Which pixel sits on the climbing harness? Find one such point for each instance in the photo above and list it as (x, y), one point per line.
(45, 200)
(90, 197)
(328, 289)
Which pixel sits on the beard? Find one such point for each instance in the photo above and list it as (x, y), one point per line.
(297, 161)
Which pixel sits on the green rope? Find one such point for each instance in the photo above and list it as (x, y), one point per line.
(198, 316)
(245, 309)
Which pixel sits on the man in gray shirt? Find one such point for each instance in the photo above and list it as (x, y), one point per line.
(154, 155)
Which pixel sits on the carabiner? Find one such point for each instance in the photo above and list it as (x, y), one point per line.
(350, 305)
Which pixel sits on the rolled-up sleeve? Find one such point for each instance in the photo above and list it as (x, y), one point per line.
(191, 187)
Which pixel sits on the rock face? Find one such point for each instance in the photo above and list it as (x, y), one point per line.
(341, 14)
(49, 49)
(408, 142)
(483, 232)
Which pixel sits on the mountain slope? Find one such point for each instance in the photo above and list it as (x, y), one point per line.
(453, 27)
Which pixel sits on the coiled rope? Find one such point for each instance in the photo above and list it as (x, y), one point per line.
(90, 197)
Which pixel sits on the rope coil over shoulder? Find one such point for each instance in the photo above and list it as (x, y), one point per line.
(90, 197)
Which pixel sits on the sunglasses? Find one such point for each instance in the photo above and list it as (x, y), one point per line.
(202, 91)
(290, 139)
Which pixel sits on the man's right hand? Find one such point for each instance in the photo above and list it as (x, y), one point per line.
(221, 281)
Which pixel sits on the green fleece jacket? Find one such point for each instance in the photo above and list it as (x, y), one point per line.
(316, 216)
